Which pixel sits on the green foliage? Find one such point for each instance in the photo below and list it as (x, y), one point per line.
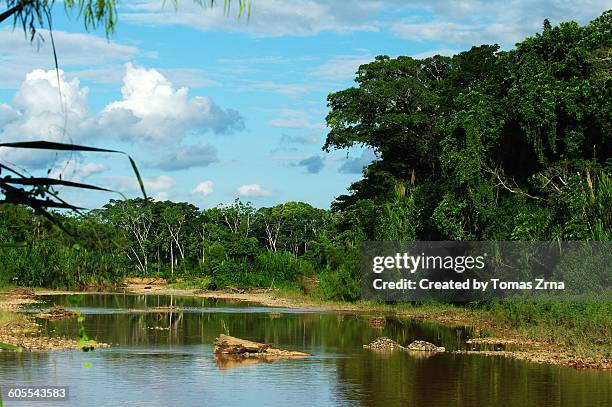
(495, 145)
(236, 273)
(399, 217)
(199, 283)
(484, 145)
(338, 284)
(7, 346)
(50, 258)
(281, 266)
(580, 320)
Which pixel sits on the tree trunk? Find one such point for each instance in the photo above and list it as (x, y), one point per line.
(171, 260)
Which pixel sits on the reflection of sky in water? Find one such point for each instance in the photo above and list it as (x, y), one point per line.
(179, 377)
(166, 359)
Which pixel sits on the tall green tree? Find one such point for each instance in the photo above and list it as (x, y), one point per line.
(489, 144)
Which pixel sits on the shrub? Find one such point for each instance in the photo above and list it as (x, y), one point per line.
(281, 266)
(338, 285)
(235, 273)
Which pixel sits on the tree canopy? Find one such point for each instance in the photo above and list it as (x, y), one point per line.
(489, 144)
(483, 145)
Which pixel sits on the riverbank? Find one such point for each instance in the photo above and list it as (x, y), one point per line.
(528, 343)
(23, 331)
(532, 344)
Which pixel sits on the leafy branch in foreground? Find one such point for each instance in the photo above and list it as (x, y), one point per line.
(32, 14)
(42, 196)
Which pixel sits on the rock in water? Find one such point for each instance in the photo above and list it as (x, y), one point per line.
(422, 346)
(230, 346)
(56, 313)
(383, 343)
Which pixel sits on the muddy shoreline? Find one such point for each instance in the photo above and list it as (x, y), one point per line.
(526, 349)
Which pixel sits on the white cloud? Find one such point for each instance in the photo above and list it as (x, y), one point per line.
(501, 21)
(37, 112)
(252, 191)
(152, 110)
(340, 68)
(516, 10)
(129, 184)
(466, 34)
(160, 196)
(268, 17)
(203, 189)
(185, 157)
(77, 171)
(7, 114)
(474, 22)
(18, 55)
(295, 119)
(158, 183)
(439, 31)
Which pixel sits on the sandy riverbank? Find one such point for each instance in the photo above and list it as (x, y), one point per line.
(22, 330)
(524, 347)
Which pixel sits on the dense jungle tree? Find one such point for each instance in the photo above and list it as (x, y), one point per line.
(487, 144)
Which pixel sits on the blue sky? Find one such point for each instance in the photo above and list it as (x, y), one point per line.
(214, 108)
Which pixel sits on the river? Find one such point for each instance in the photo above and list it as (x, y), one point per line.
(165, 358)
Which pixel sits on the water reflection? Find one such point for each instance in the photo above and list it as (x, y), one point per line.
(165, 357)
(225, 362)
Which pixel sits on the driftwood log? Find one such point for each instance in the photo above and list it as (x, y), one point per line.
(229, 346)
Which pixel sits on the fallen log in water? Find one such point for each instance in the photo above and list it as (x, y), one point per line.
(230, 346)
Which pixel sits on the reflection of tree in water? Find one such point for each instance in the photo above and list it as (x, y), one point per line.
(399, 379)
(362, 377)
(327, 333)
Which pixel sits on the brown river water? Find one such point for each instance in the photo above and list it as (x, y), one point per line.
(166, 358)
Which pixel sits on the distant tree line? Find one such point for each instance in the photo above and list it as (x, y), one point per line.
(233, 245)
